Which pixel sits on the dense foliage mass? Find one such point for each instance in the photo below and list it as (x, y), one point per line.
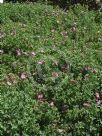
(51, 71)
(93, 4)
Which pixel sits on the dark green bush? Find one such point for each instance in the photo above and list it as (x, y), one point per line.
(64, 3)
(51, 71)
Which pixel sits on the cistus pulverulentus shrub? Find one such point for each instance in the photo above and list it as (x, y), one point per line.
(51, 71)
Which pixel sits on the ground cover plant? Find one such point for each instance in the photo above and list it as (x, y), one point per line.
(51, 71)
(92, 4)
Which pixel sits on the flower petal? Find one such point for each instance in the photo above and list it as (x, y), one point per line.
(97, 95)
(23, 76)
(18, 51)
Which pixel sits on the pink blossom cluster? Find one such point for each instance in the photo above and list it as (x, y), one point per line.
(40, 98)
(18, 52)
(98, 101)
(23, 75)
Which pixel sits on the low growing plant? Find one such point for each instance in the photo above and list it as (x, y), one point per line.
(51, 71)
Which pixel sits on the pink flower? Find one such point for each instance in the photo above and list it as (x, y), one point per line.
(61, 130)
(23, 75)
(18, 51)
(97, 95)
(99, 101)
(40, 98)
(100, 5)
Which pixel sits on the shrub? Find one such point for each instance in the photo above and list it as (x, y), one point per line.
(51, 72)
(65, 3)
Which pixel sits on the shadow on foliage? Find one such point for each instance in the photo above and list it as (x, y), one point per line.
(65, 4)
